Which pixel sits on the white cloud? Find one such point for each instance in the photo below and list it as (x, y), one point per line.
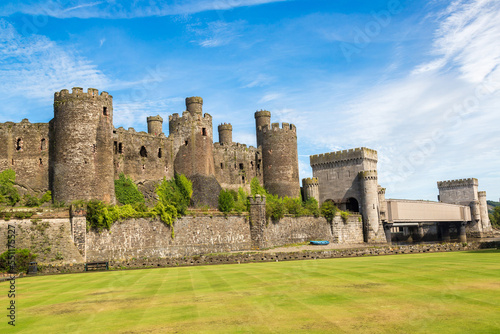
(35, 67)
(439, 121)
(218, 33)
(119, 9)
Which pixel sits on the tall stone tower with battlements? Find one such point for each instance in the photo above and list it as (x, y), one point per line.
(192, 140)
(83, 146)
(465, 192)
(280, 158)
(349, 179)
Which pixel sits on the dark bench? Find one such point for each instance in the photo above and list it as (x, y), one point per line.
(96, 266)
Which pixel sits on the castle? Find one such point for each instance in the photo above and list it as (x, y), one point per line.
(79, 154)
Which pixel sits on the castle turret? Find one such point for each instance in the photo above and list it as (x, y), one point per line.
(382, 203)
(225, 134)
(280, 160)
(370, 209)
(262, 120)
(192, 137)
(485, 219)
(155, 125)
(311, 188)
(194, 105)
(83, 146)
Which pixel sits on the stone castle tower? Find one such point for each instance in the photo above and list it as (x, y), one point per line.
(193, 140)
(83, 146)
(311, 188)
(279, 156)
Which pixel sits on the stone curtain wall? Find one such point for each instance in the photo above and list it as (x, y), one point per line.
(141, 238)
(303, 229)
(49, 238)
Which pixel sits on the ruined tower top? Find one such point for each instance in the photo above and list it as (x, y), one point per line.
(194, 105)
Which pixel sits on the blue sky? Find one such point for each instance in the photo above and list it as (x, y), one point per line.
(419, 81)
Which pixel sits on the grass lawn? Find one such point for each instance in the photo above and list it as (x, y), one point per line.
(421, 293)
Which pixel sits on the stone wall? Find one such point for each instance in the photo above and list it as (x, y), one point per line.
(50, 238)
(140, 238)
(25, 149)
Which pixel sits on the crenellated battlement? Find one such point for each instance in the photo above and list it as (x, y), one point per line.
(368, 175)
(481, 194)
(345, 155)
(262, 113)
(310, 182)
(187, 116)
(77, 93)
(225, 126)
(381, 191)
(458, 183)
(157, 118)
(275, 127)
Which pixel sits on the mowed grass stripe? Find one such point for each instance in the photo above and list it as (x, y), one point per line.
(417, 293)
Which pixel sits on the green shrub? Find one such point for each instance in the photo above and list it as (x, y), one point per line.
(126, 191)
(256, 188)
(8, 193)
(226, 201)
(176, 192)
(311, 207)
(47, 197)
(345, 216)
(31, 201)
(328, 210)
(275, 208)
(241, 204)
(22, 257)
(495, 217)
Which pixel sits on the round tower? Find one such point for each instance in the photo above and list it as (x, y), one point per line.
(155, 125)
(262, 120)
(370, 210)
(280, 160)
(225, 134)
(311, 188)
(83, 146)
(193, 140)
(194, 105)
(485, 219)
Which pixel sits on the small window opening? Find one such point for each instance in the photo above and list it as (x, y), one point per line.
(143, 152)
(12, 162)
(143, 167)
(105, 111)
(204, 132)
(120, 148)
(115, 147)
(94, 148)
(19, 144)
(221, 165)
(43, 144)
(258, 166)
(243, 178)
(41, 162)
(159, 153)
(241, 166)
(186, 143)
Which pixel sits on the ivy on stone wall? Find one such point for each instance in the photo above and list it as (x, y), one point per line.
(126, 191)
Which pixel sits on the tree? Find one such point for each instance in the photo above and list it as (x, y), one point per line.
(8, 193)
(495, 217)
(226, 201)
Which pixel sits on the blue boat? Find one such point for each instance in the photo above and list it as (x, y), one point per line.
(321, 242)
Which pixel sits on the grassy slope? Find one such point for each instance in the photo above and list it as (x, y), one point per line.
(421, 293)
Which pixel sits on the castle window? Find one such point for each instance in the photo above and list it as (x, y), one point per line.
(41, 162)
(204, 132)
(43, 144)
(19, 144)
(242, 166)
(115, 147)
(94, 148)
(221, 165)
(159, 153)
(105, 111)
(258, 166)
(243, 179)
(120, 148)
(143, 152)
(186, 143)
